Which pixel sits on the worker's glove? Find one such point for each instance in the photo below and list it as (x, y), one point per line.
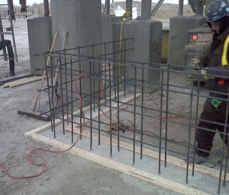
(206, 75)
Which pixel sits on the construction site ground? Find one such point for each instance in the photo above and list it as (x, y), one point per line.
(67, 173)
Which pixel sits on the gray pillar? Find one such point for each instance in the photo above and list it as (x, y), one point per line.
(181, 6)
(129, 6)
(82, 20)
(107, 6)
(146, 10)
(147, 49)
(46, 8)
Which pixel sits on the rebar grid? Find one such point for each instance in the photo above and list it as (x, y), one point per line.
(149, 105)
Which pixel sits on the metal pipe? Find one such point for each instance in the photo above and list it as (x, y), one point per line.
(46, 8)
(146, 10)
(129, 6)
(181, 6)
(107, 6)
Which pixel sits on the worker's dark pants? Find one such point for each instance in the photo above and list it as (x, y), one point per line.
(206, 129)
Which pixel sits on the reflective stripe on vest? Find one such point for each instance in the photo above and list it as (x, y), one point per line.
(224, 60)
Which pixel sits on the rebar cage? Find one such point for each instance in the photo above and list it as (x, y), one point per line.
(97, 91)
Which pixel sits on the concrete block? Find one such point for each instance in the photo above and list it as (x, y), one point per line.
(178, 36)
(40, 41)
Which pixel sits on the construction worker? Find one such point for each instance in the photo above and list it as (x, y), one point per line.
(215, 70)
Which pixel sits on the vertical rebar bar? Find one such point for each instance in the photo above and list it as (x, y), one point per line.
(99, 99)
(224, 138)
(110, 110)
(135, 97)
(105, 75)
(196, 123)
(189, 130)
(142, 109)
(118, 107)
(166, 115)
(66, 90)
(71, 83)
(160, 131)
(123, 79)
(226, 163)
(226, 130)
(61, 88)
(61, 81)
(52, 68)
(90, 94)
(94, 75)
(80, 91)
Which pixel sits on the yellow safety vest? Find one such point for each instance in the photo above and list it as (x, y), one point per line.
(224, 60)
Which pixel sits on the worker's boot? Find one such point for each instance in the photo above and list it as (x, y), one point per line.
(196, 159)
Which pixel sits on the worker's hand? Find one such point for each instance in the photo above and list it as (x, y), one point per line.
(205, 74)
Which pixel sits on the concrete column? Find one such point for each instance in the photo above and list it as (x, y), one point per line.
(146, 10)
(82, 20)
(40, 41)
(147, 36)
(178, 36)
